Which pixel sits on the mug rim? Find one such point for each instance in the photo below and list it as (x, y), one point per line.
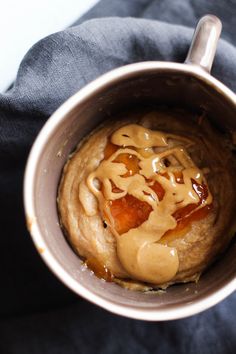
(167, 313)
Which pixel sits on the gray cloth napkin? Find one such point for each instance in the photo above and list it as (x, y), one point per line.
(37, 313)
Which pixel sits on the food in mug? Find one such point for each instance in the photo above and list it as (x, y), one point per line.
(148, 200)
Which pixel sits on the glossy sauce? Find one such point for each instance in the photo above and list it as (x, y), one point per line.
(99, 269)
(129, 212)
(149, 199)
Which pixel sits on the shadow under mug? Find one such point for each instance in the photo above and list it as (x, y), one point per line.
(188, 85)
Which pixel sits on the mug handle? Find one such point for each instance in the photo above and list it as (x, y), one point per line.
(204, 42)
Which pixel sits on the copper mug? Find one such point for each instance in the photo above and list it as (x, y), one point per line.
(189, 84)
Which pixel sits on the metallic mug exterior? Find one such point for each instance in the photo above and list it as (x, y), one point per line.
(187, 85)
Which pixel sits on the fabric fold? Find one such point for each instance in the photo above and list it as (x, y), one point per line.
(53, 70)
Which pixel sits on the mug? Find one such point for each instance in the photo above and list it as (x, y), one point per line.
(187, 85)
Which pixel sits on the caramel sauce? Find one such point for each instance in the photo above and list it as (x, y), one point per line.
(179, 177)
(131, 163)
(100, 270)
(184, 224)
(149, 198)
(110, 149)
(129, 160)
(128, 213)
(158, 189)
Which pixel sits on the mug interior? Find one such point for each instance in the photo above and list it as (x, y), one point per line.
(168, 87)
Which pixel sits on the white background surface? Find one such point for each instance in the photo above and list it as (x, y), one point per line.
(24, 22)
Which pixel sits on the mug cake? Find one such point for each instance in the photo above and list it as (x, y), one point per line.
(147, 200)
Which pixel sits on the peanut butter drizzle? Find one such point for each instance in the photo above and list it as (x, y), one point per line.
(139, 251)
